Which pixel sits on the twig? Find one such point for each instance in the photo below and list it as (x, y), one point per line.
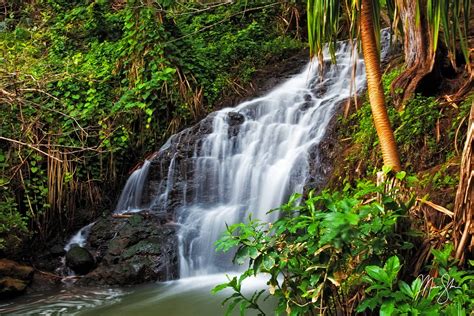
(31, 146)
(437, 207)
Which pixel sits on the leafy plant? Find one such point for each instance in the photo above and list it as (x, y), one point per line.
(318, 248)
(449, 292)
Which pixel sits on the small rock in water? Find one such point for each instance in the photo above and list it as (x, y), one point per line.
(80, 260)
(235, 118)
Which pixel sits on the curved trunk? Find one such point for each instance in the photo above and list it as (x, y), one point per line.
(374, 85)
(419, 55)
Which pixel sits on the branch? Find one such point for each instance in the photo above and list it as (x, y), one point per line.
(31, 146)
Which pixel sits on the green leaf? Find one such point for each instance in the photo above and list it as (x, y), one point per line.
(386, 169)
(387, 308)
(378, 274)
(219, 288)
(253, 252)
(392, 266)
(405, 289)
(370, 303)
(401, 175)
(268, 262)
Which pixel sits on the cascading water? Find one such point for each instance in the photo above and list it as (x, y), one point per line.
(130, 199)
(266, 161)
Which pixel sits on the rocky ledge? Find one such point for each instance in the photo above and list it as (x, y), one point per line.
(14, 278)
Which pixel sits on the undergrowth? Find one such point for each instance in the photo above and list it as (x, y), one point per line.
(342, 252)
(430, 136)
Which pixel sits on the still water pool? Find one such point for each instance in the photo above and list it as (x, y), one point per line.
(185, 297)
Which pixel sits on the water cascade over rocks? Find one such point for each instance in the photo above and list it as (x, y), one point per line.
(235, 163)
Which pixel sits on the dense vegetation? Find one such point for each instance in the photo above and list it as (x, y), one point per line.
(330, 250)
(88, 88)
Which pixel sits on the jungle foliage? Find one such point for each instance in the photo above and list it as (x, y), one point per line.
(345, 252)
(87, 87)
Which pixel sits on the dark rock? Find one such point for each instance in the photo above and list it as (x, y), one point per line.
(10, 268)
(11, 287)
(80, 260)
(57, 250)
(235, 118)
(141, 248)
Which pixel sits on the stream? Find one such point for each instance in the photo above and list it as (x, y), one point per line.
(184, 297)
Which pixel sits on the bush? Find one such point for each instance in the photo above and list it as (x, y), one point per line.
(316, 253)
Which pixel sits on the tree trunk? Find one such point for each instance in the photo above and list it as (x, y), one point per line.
(374, 85)
(464, 205)
(419, 54)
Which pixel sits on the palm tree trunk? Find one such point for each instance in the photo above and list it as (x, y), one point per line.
(374, 84)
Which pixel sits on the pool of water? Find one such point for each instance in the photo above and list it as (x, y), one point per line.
(190, 296)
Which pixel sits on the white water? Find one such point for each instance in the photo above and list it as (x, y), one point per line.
(132, 192)
(80, 238)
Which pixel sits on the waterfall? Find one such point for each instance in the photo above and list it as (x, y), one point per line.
(132, 192)
(259, 167)
(248, 159)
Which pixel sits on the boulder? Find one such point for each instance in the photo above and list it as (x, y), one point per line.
(80, 260)
(131, 250)
(235, 118)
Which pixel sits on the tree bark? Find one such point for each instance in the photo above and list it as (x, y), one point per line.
(374, 85)
(418, 49)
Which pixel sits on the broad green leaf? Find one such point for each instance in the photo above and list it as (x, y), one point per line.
(387, 308)
(378, 274)
(219, 288)
(391, 267)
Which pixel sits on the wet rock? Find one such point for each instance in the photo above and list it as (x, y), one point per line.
(10, 287)
(10, 268)
(140, 248)
(57, 250)
(14, 278)
(235, 118)
(80, 260)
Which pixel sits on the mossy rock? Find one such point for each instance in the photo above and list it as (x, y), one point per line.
(144, 247)
(80, 260)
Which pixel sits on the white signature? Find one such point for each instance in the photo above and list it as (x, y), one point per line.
(428, 284)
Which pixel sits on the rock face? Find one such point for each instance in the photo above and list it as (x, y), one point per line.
(14, 278)
(140, 248)
(79, 260)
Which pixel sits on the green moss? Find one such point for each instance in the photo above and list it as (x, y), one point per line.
(144, 247)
